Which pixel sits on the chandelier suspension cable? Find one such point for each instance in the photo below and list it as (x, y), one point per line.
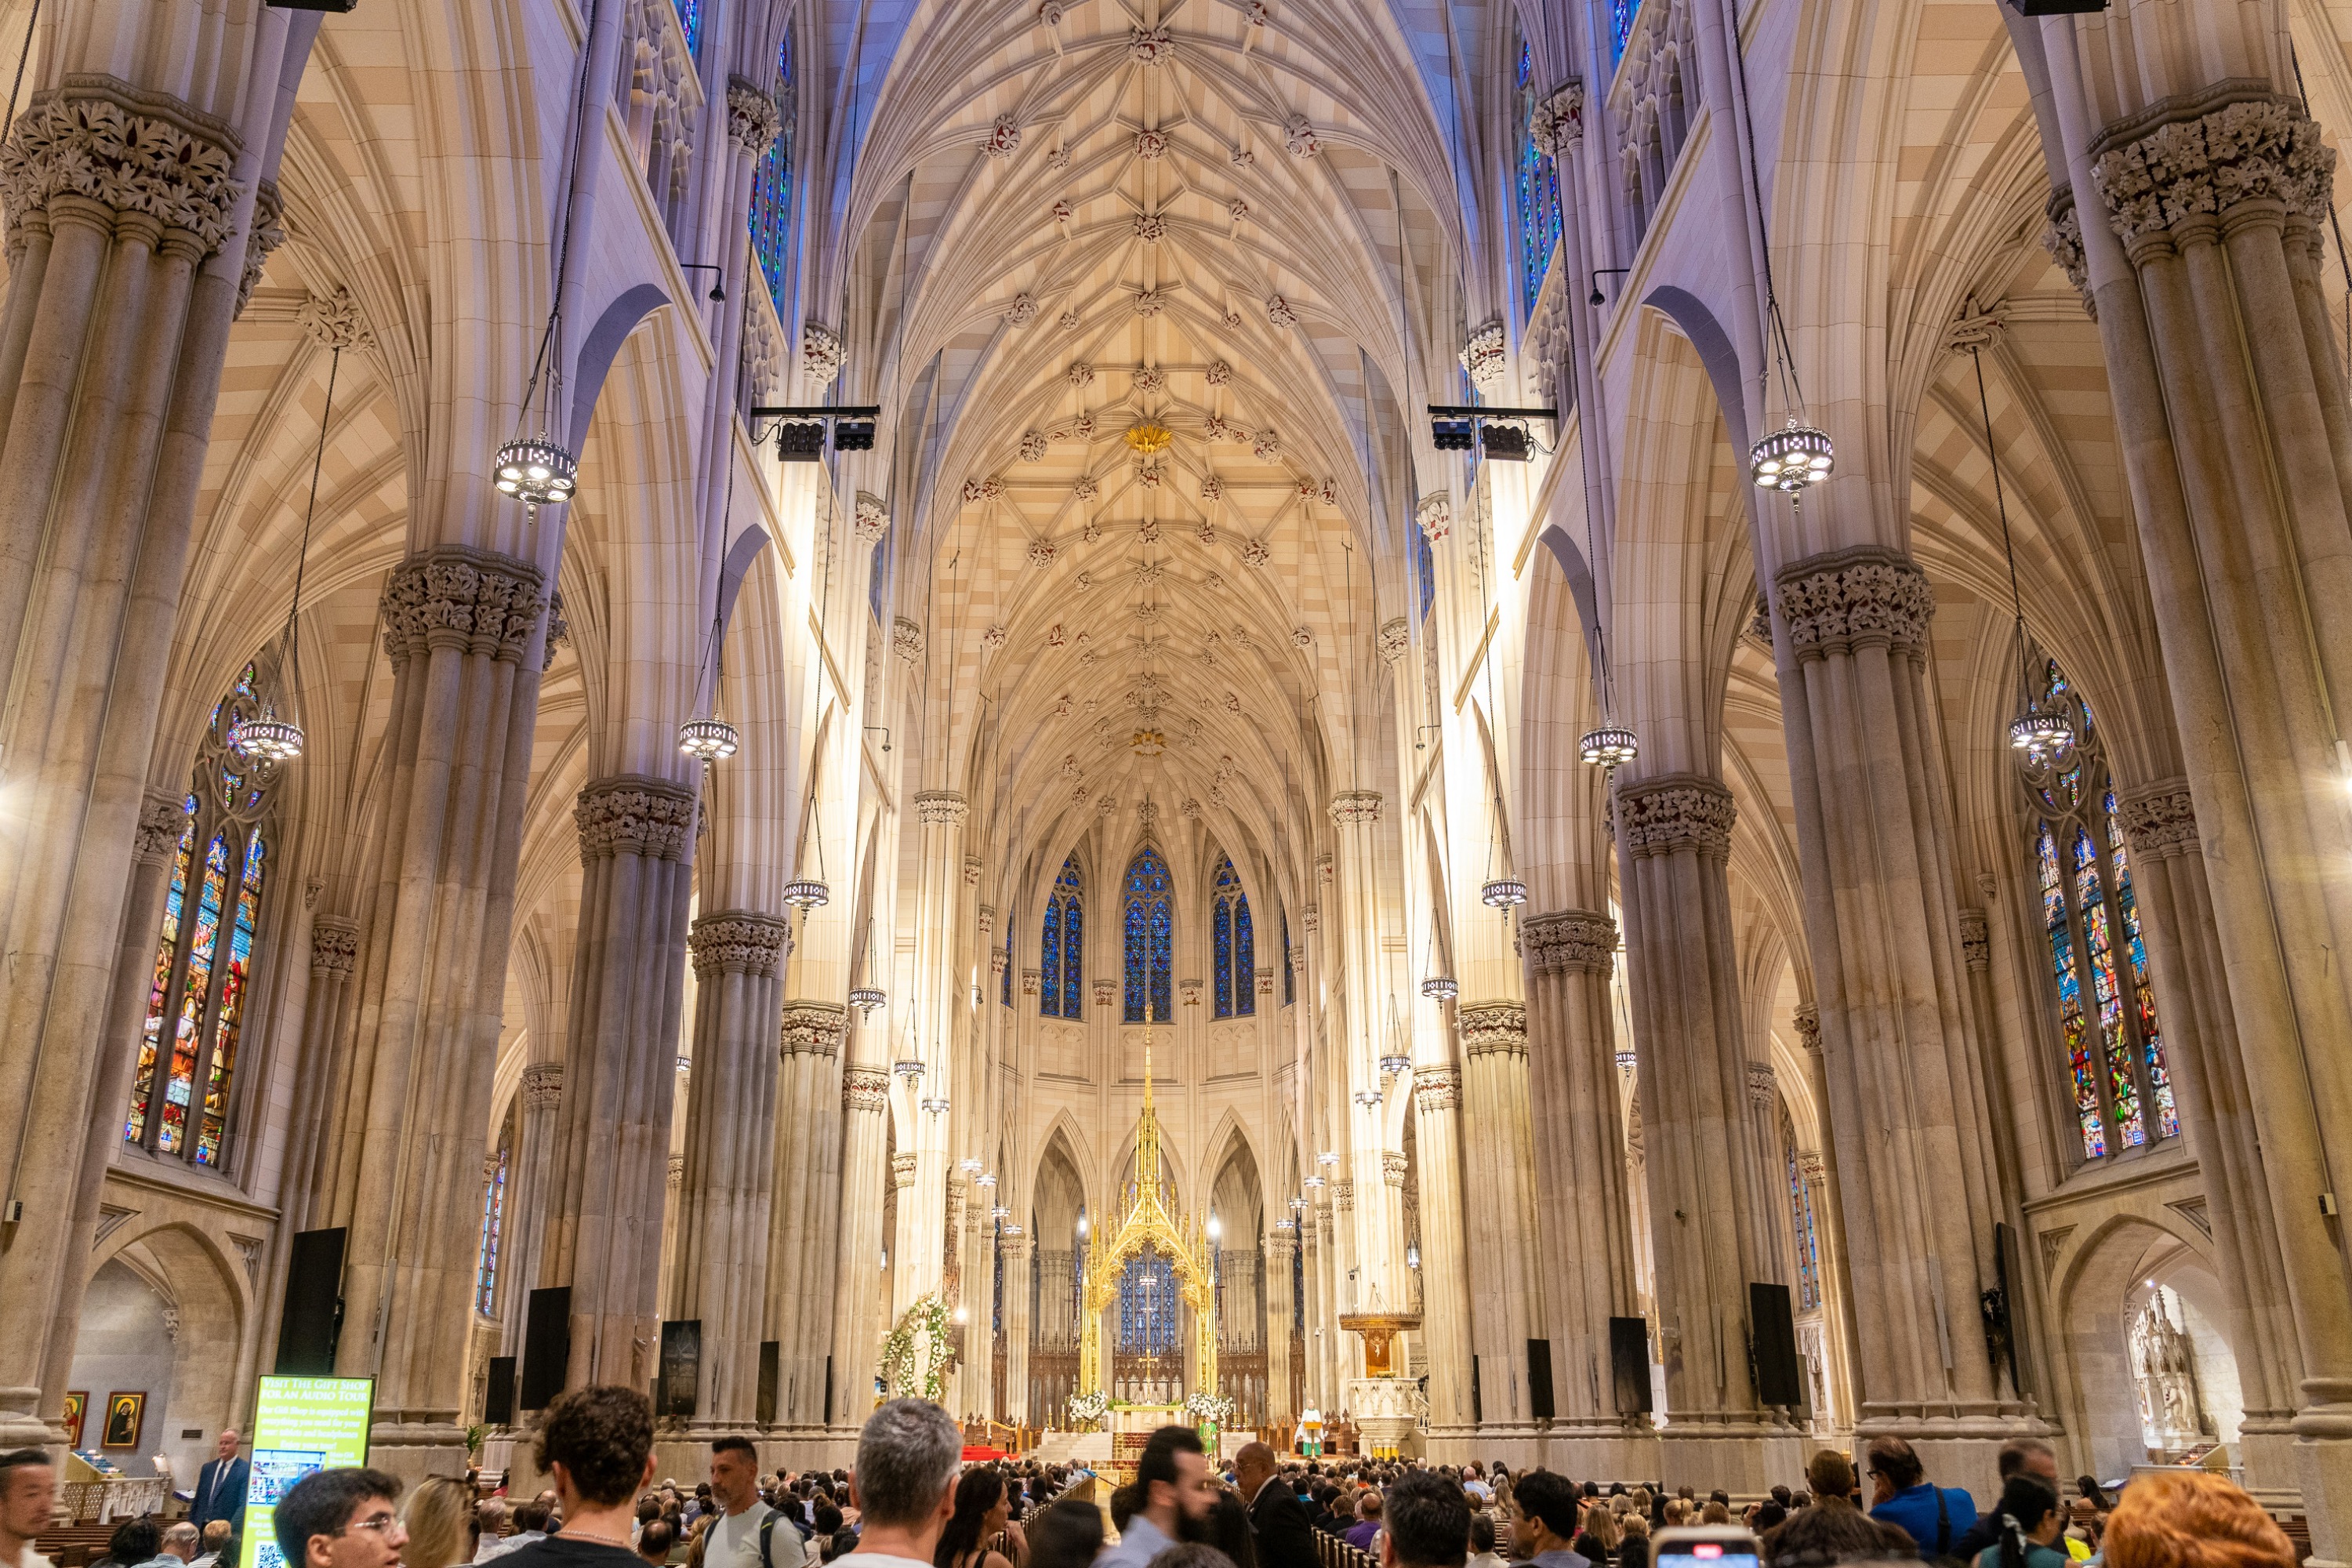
(269, 736)
(2041, 729)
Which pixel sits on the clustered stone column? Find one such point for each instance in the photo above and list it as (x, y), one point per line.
(808, 1155)
(131, 221)
(1016, 1252)
(1446, 1289)
(858, 1313)
(402, 1167)
(541, 1095)
(1820, 1168)
(923, 1245)
(1280, 1249)
(1913, 1158)
(2218, 1121)
(1709, 1224)
(721, 1262)
(1499, 1157)
(1580, 1202)
(608, 1191)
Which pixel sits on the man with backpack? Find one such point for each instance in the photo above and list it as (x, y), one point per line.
(747, 1534)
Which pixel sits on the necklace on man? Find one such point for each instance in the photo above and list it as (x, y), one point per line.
(592, 1535)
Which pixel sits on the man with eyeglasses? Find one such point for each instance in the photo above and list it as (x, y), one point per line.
(341, 1519)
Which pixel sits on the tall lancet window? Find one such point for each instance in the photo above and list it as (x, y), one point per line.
(2118, 1089)
(1150, 939)
(1536, 181)
(204, 956)
(1061, 960)
(1800, 1221)
(1235, 944)
(494, 1213)
(772, 190)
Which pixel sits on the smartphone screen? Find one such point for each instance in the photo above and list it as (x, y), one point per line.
(1706, 1555)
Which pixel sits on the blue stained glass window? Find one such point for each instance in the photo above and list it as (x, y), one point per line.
(1425, 564)
(494, 1207)
(690, 16)
(1290, 969)
(1062, 960)
(1150, 932)
(772, 191)
(1149, 1308)
(1620, 27)
(1536, 187)
(1237, 954)
(1006, 979)
(1801, 1218)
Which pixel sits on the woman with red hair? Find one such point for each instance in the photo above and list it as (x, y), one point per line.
(2191, 1519)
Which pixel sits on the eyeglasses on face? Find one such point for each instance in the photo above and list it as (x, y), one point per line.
(382, 1523)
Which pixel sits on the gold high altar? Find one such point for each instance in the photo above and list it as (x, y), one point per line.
(1152, 1222)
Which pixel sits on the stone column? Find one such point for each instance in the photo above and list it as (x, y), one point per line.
(2218, 1122)
(1769, 1171)
(2202, 218)
(1278, 1250)
(1911, 1154)
(160, 822)
(857, 1317)
(130, 221)
(920, 1248)
(801, 1275)
(1819, 1166)
(1500, 1157)
(542, 1097)
(1366, 1245)
(720, 1264)
(1446, 1289)
(464, 629)
(1017, 1249)
(1581, 1203)
(608, 1181)
(1710, 1225)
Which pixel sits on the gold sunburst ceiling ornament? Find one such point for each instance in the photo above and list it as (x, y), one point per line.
(1148, 742)
(1149, 437)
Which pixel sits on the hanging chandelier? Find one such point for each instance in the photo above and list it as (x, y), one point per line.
(1368, 1097)
(1009, 1229)
(935, 1104)
(1790, 459)
(1393, 1063)
(1610, 746)
(809, 893)
(706, 740)
(970, 1165)
(2042, 728)
(909, 1067)
(985, 1178)
(866, 998)
(1503, 893)
(1440, 988)
(270, 736)
(535, 471)
(998, 1211)
(1314, 1183)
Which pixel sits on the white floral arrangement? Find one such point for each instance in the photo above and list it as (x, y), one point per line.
(1087, 1409)
(1205, 1407)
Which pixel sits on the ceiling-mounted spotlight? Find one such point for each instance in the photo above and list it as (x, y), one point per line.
(718, 294)
(1500, 433)
(1504, 442)
(800, 431)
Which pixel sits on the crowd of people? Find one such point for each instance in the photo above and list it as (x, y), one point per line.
(912, 1501)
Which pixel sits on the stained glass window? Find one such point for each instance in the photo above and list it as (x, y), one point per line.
(1537, 188)
(1289, 967)
(1150, 933)
(194, 1019)
(1801, 1220)
(1620, 27)
(772, 190)
(1425, 565)
(2118, 1092)
(1233, 946)
(494, 1209)
(1150, 1309)
(1004, 979)
(690, 16)
(1061, 960)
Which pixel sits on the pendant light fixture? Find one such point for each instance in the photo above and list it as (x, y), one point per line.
(809, 893)
(935, 1104)
(866, 998)
(269, 736)
(1367, 1098)
(1395, 1060)
(1439, 986)
(970, 1165)
(710, 738)
(1798, 455)
(2041, 730)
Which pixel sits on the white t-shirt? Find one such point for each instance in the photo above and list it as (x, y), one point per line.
(734, 1541)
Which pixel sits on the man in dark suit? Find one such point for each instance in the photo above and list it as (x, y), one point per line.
(220, 1486)
(1278, 1520)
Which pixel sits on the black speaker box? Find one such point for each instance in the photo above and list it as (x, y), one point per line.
(1629, 1365)
(497, 1405)
(1539, 1396)
(312, 1318)
(546, 1346)
(1780, 1379)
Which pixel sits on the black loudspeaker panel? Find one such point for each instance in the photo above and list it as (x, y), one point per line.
(1780, 1380)
(497, 1405)
(1539, 1396)
(311, 1320)
(1629, 1365)
(546, 1346)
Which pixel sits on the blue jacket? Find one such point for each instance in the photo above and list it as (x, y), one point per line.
(220, 1492)
(1914, 1509)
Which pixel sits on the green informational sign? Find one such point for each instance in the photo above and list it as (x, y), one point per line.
(300, 1425)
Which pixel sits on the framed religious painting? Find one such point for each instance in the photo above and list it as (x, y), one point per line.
(125, 1413)
(77, 1408)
